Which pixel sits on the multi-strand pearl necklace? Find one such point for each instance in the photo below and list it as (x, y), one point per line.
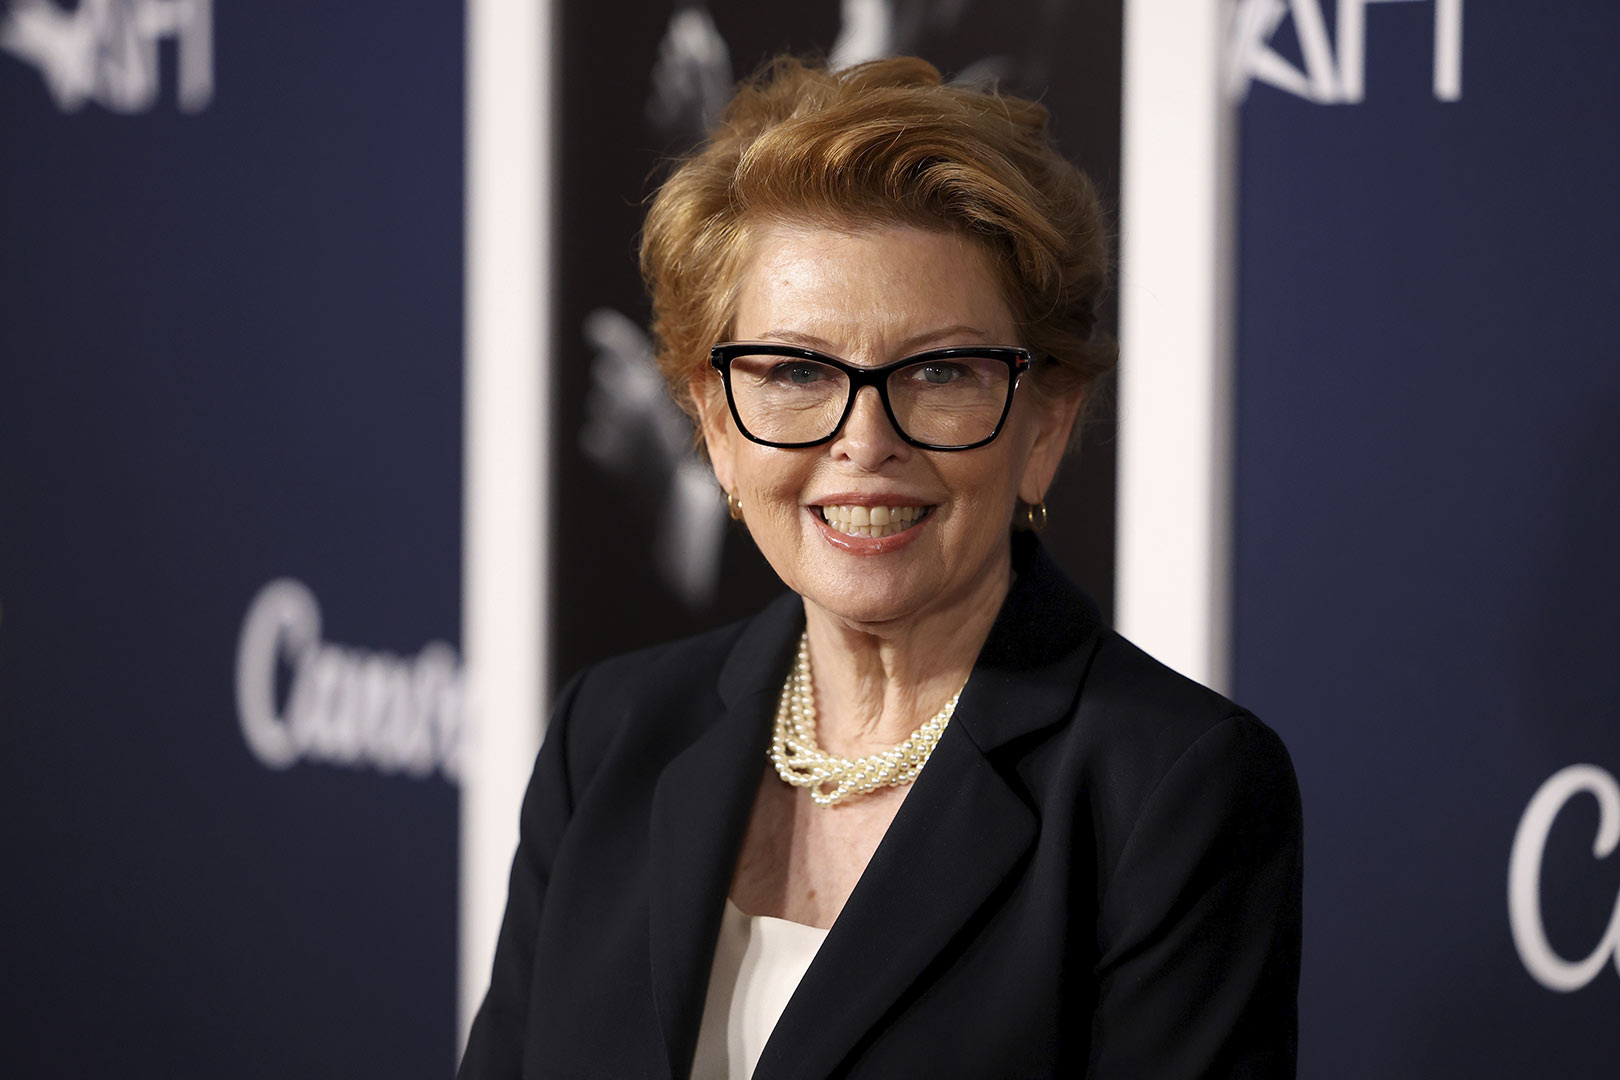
(831, 779)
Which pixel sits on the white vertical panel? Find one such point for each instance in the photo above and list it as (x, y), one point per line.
(1448, 31)
(1175, 295)
(505, 538)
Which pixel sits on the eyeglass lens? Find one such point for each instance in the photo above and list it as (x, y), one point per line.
(944, 402)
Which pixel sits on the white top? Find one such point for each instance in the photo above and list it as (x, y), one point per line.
(758, 963)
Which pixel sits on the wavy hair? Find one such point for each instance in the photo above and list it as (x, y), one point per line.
(884, 143)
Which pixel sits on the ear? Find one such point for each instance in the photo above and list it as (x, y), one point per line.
(1055, 420)
(714, 421)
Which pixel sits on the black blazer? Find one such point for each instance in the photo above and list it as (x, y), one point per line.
(1098, 872)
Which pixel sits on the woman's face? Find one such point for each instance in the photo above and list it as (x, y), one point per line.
(871, 298)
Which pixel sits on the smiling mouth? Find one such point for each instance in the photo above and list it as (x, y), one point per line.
(873, 521)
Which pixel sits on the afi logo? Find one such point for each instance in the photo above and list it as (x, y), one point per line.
(1524, 877)
(106, 51)
(1328, 79)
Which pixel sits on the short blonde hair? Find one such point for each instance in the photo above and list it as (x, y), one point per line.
(882, 143)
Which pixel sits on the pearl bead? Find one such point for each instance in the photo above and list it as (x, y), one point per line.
(800, 761)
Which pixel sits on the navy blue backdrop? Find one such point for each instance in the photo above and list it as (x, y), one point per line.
(1427, 524)
(230, 354)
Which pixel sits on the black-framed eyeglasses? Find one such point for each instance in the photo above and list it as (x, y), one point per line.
(942, 399)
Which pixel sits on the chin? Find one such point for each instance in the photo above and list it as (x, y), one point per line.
(851, 602)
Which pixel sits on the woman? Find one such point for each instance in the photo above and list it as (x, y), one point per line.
(925, 815)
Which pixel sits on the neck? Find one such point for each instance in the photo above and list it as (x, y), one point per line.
(876, 683)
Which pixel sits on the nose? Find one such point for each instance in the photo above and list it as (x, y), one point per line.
(867, 439)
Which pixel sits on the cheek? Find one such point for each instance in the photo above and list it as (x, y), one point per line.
(992, 482)
(771, 479)
(987, 500)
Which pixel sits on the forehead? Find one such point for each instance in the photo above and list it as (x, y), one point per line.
(869, 292)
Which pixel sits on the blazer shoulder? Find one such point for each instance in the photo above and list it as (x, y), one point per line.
(1135, 699)
(662, 684)
(1142, 722)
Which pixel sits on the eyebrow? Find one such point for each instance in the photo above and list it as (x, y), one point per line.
(912, 344)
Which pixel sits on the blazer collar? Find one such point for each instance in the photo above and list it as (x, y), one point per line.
(1029, 671)
(961, 830)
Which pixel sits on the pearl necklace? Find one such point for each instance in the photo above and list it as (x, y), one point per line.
(831, 779)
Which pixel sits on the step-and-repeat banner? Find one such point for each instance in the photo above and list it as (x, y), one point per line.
(230, 455)
(1428, 518)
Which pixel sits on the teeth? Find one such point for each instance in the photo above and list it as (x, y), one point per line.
(872, 521)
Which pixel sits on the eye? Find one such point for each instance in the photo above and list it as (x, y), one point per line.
(941, 374)
(798, 374)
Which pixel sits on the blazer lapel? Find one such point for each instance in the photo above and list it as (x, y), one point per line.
(962, 830)
(700, 811)
(959, 833)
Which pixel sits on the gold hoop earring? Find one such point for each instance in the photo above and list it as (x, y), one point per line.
(734, 505)
(1035, 516)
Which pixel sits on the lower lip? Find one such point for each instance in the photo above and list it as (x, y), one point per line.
(867, 545)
